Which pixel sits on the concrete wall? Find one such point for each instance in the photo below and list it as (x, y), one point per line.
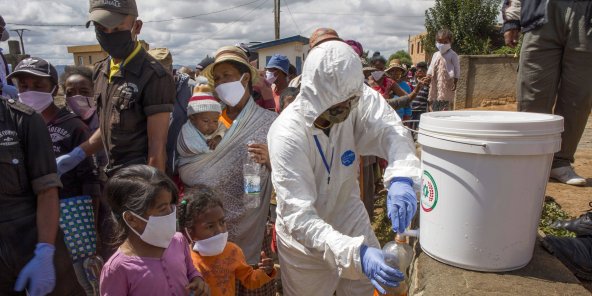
(416, 49)
(486, 80)
(291, 50)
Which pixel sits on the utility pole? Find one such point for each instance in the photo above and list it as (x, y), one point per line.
(276, 19)
(20, 32)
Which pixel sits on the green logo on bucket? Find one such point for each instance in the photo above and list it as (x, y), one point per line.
(429, 192)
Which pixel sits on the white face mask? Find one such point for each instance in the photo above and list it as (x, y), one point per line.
(270, 77)
(37, 100)
(212, 246)
(159, 230)
(231, 92)
(377, 75)
(443, 47)
(81, 106)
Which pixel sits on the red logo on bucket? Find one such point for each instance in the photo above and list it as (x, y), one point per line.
(429, 192)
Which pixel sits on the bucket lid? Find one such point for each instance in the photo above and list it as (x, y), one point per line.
(491, 123)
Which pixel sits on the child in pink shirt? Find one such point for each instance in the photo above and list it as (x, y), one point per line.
(152, 258)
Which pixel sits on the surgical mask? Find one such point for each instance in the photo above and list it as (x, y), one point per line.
(37, 100)
(377, 75)
(211, 246)
(443, 47)
(270, 77)
(81, 106)
(118, 45)
(231, 92)
(159, 230)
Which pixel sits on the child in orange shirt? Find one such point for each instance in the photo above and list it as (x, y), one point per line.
(221, 263)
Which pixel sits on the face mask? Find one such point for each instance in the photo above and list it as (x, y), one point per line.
(377, 75)
(81, 106)
(118, 45)
(270, 77)
(335, 115)
(212, 246)
(37, 100)
(159, 230)
(443, 47)
(231, 92)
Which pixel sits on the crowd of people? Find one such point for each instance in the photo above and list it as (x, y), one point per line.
(161, 181)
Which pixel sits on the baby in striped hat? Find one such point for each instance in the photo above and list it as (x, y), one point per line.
(202, 132)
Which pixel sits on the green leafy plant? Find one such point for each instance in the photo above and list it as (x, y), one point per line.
(552, 212)
(472, 23)
(403, 56)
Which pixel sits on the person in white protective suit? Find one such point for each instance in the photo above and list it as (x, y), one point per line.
(325, 240)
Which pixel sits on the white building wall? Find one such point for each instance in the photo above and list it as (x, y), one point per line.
(292, 50)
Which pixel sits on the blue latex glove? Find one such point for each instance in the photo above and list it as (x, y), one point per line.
(376, 269)
(401, 203)
(69, 161)
(38, 276)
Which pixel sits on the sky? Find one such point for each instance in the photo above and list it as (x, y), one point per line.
(380, 25)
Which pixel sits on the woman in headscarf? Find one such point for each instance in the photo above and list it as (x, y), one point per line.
(222, 168)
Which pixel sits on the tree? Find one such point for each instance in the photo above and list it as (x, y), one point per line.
(403, 56)
(472, 23)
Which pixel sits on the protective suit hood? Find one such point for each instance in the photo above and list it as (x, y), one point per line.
(332, 74)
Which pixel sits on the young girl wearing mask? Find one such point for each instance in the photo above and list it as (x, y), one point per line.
(152, 258)
(444, 72)
(201, 215)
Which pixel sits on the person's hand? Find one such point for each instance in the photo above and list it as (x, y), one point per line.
(38, 276)
(266, 264)
(198, 287)
(376, 269)
(511, 37)
(401, 203)
(69, 161)
(213, 142)
(260, 154)
(372, 82)
(426, 80)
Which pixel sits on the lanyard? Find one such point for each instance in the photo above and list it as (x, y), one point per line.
(327, 165)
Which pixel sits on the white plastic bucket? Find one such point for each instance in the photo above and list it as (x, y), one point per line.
(484, 180)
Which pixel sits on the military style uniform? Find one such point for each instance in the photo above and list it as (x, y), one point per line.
(142, 87)
(27, 167)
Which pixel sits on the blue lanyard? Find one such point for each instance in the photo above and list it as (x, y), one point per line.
(327, 165)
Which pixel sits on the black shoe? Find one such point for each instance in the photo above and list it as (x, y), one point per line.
(574, 253)
(581, 226)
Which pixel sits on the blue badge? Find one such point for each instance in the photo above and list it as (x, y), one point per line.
(348, 158)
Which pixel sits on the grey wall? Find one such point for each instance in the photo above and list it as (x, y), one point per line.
(485, 79)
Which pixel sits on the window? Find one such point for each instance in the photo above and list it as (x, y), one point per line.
(411, 49)
(80, 60)
(90, 60)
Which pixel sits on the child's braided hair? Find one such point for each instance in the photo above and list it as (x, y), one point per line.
(196, 201)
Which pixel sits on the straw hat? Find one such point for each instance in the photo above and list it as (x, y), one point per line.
(321, 35)
(395, 63)
(230, 53)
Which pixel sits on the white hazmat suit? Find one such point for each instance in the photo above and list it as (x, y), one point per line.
(321, 221)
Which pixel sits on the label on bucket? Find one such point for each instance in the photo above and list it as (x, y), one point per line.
(429, 192)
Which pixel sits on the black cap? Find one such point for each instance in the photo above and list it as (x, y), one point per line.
(110, 13)
(205, 63)
(36, 67)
